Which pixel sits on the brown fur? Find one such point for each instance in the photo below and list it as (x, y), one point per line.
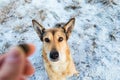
(64, 67)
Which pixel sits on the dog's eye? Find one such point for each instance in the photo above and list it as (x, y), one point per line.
(60, 39)
(47, 40)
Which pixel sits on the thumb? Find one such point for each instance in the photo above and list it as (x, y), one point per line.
(13, 66)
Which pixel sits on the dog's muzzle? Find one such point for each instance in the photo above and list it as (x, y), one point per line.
(54, 56)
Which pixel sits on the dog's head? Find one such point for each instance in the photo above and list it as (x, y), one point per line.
(55, 40)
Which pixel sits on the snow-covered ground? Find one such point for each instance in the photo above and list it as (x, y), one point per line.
(94, 43)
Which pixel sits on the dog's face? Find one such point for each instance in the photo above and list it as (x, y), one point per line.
(55, 40)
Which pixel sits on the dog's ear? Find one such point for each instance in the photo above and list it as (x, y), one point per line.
(39, 29)
(69, 27)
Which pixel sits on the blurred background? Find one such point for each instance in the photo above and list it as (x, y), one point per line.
(94, 43)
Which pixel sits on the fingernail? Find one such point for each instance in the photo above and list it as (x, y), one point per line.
(13, 56)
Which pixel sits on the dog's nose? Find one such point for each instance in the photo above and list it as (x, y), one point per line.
(54, 55)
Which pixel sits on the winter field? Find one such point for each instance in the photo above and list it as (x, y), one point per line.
(94, 43)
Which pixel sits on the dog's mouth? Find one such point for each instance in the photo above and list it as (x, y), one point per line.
(54, 60)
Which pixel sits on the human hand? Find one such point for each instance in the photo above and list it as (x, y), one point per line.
(15, 66)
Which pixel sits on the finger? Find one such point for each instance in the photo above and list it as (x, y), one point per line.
(2, 59)
(22, 78)
(27, 48)
(31, 49)
(29, 69)
(13, 66)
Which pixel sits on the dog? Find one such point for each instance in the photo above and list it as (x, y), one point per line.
(57, 59)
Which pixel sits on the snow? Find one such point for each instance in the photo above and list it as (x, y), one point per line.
(94, 43)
